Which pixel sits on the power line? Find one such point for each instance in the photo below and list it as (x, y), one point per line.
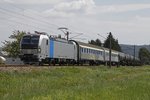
(79, 34)
(6, 12)
(45, 22)
(40, 17)
(23, 24)
(102, 36)
(34, 13)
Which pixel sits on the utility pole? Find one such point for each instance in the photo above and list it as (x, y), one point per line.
(110, 47)
(110, 36)
(134, 57)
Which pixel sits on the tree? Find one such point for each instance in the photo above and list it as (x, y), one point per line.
(144, 56)
(12, 46)
(96, 42)
(114, 43)
(92, 42)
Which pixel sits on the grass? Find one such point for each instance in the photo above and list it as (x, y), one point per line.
(76, 83)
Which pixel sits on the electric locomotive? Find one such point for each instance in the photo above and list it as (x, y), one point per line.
(40, 48)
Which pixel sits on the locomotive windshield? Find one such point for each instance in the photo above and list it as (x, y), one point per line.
(30, 42)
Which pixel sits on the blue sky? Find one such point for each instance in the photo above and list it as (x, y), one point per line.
(128, 20)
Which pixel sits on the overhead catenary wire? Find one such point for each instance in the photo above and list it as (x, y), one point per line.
(54, 25)
(41, 27)
(31, 18)
(21, 16)
(28, 25)
(12, 13)
(43, 18)
(38, 20)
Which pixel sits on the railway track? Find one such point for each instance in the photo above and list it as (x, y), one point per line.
(15, 66)
(37, 66)
(29, 68)
(24, 68)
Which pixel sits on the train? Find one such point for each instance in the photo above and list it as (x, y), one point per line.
(40, 48)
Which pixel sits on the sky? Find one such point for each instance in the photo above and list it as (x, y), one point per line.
(127, 20)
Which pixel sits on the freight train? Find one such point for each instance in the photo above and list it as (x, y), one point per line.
(39, 48)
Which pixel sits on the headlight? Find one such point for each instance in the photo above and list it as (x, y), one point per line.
(39, 50)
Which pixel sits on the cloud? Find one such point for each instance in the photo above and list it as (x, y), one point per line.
(121, 8)
(143, 19)
(9, 1)
(88, 7)
(61, 8)
(76, 15)
(33, 1)
(68, 9)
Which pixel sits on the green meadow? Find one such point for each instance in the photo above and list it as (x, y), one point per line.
(75, 83)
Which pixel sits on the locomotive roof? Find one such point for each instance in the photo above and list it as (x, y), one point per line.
(32, 34)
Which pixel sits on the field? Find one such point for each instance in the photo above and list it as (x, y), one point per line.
(75, 83)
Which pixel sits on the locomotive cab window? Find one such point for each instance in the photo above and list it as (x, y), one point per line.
(30, 42)
(35, 39)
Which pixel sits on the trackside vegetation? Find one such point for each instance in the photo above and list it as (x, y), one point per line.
(75, 83)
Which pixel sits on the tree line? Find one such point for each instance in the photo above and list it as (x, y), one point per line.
(114, 43)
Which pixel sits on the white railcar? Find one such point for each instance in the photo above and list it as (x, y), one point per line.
(90, 53)
(114, 56)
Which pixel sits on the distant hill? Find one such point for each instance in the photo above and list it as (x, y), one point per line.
(129, 49)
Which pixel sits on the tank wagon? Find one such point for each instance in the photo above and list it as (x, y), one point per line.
(42, 49)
